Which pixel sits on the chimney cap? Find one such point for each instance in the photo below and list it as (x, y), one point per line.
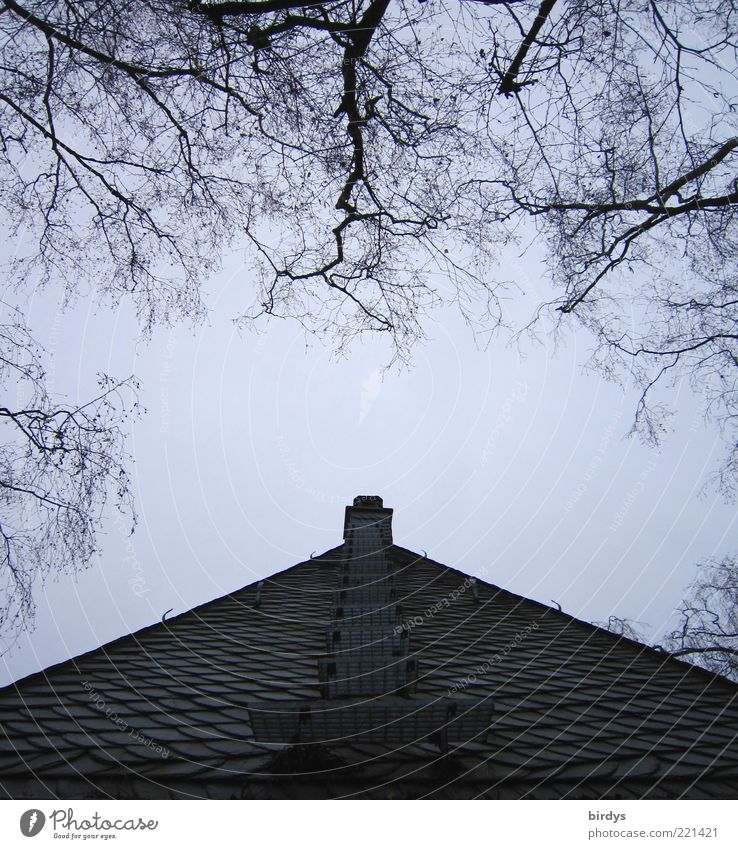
(368, 501)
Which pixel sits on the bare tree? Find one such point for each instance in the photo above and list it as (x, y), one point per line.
(707, 634)
(58, 466)
(373, 156)
(708, 629)
(623, 628)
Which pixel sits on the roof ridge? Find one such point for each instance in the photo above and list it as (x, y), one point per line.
(663, 656)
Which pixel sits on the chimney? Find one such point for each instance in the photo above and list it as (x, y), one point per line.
(369, 513)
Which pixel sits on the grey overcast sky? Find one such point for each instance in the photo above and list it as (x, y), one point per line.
(515, 469)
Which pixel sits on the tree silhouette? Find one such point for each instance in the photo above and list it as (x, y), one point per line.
(59, 464)
(363, 148)
(707, 634)
(373, 157)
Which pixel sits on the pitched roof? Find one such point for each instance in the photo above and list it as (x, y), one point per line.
(174, 708)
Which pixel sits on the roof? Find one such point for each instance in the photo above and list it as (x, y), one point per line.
(574, 711)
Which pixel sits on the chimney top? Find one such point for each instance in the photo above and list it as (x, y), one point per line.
(369, 511)
(372, 501)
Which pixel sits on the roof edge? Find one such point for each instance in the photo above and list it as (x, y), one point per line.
(659, 653)
(162, 622)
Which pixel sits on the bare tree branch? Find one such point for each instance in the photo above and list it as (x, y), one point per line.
(708, 627)
(376, 157)
(60, 465)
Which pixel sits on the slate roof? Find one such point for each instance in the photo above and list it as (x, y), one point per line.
(172, 710)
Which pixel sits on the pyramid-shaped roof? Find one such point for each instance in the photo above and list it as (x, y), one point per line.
(481, 693)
